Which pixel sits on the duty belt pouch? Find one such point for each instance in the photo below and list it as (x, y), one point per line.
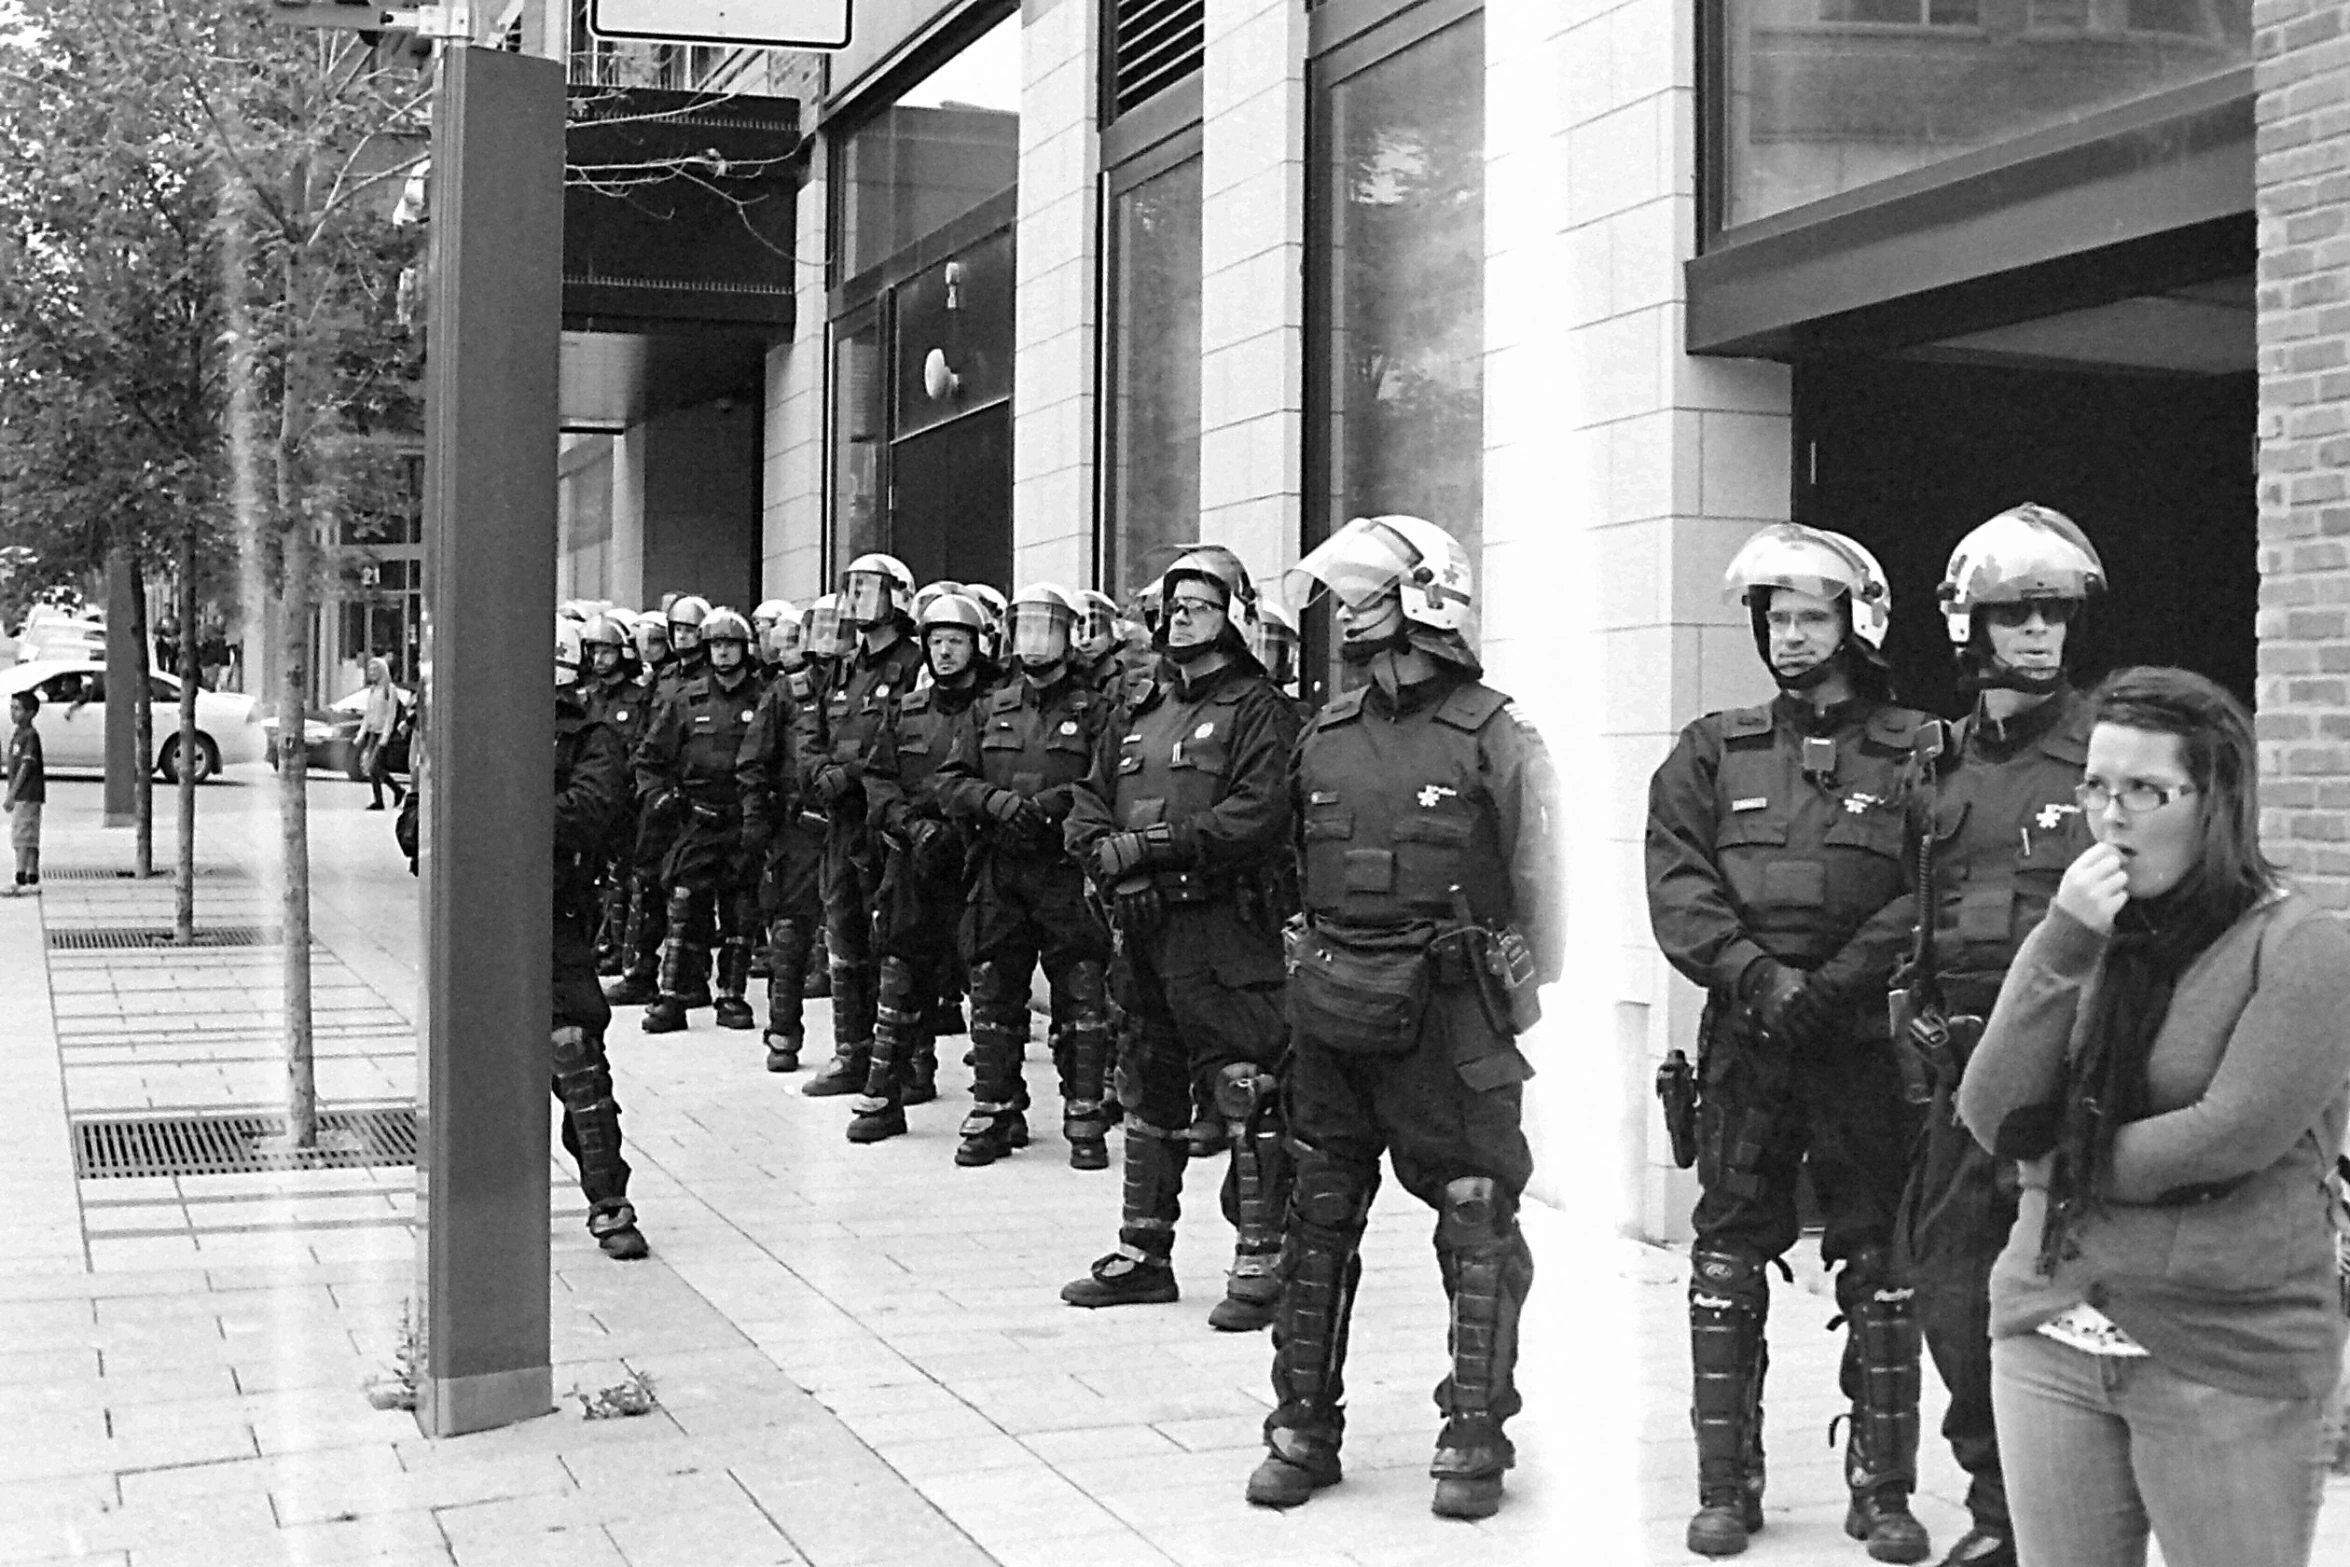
(1509, 961)
(1364, 995)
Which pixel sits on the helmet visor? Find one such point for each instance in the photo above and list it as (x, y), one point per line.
(1275, 646)
(1357, 565)
(823, 631)
(1040, 633)
(864, 598)
(1094, 630)
(1788, 556)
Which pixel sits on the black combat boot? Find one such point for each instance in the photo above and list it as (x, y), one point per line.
(881, 1108)
(1320, 1269)
(1085, 1070)
(1487, 1272)
(999, 1032)
(615, 1231)
(591, 1134)
(1880, 1376)
(734, 973)
(852, 1060)
(1140, 1272)
(786, 1033)
(640, 953)
(1729, 1299)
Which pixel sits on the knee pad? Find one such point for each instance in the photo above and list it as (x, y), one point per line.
(1089, 993)
(894, 985)
(1329, 1195)
(681, 910)
(1477, 1214)
(1729, 1274)
(571, 1051)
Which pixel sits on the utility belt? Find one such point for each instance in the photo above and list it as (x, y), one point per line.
(1365, 989)
(1193, 886)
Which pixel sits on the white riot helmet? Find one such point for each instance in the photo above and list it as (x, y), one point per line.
(685, 615)
(876, 588)
(1275, 642)
(1826, 565)
(821, 629)
(954, 612)
(1040, 619)
(1096, 630)
(568, 652)
(2027, 554)
(767, 614)
(1426, 570)
(997, 610)
(779, 639)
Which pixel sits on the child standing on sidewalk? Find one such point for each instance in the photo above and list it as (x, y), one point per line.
(28, 788)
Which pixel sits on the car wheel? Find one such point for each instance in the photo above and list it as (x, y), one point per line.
(207, 759)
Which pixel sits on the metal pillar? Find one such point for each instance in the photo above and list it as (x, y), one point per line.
(488, 796)
(122, 682)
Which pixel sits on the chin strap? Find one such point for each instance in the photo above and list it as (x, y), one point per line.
(1812, 677)
(1981, 672)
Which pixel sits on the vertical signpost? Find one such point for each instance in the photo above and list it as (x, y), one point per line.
(487, 827)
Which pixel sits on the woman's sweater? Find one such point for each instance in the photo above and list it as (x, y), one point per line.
(2215, 1250)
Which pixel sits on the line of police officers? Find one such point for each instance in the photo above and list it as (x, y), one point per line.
(1301, 950)
(1808, 860)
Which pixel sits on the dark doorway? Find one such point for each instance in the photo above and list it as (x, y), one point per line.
(2157, 469)
(951, 506)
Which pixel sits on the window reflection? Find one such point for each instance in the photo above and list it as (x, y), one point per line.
(1827, 96)
(946, 145)
(1153, 489)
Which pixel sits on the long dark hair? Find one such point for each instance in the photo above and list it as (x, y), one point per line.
(2155, 939)
(2222, 760)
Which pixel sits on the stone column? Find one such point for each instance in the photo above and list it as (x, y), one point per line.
(1252, 300)
(791, 530)
(1053, 302)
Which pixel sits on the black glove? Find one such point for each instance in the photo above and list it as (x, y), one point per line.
(927, 843)
(1136, 910)
(1054, 802)
(832, 783)
(1810, 1017)
(661, 804)
(1121, 853)
(1766, 988)
(1016, 810)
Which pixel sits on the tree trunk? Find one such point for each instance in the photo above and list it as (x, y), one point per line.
(293, 696)
(143, 732)
(183, 914)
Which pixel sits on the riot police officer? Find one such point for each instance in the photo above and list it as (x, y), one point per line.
(1774, 870)
(2000, 825)
(650, 894)
(608, 689)
(685, 772)
(1011, 775)
(1182, 824)
(767, 778)
(877, 598)
(591, 795)
(922, 881)
(1425, 816)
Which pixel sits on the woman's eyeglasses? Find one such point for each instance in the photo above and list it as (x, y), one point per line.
(2136, 799)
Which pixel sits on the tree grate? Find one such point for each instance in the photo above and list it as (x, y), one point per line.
(240, 1142)
(141, 938)
(108, 873)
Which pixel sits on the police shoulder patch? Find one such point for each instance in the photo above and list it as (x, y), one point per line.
(1740, 722)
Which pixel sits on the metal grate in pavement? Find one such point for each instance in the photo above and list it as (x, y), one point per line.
(109, 873)
(237, 1142)
(139, 938)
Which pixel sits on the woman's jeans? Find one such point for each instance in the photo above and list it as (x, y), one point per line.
(2098, 1448)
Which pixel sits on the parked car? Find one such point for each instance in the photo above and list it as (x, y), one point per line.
(72, 720)
(330, 737)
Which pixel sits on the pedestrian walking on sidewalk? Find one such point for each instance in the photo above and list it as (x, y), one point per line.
(591, 796)
(1426, 816)
(2167, 1060)
(377, 724)
(28, 788)
(1775, 881)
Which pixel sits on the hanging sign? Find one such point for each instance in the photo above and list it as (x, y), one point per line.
(758, 24)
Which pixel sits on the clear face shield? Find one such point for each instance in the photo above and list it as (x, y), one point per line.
(1040, 634)
(783, 645)
(603, 659)
(652, 643)
(566, 656)
(684, 638)
(1358, 565)
(1094, 632)
(822, 631)
(1275, 646)
(864, 598)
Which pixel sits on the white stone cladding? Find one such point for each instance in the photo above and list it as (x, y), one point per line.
(1252, 295)
(791, 522)
(1055, 343)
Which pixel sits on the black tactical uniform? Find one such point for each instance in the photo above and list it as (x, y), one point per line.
(656, 834)
(591, 794)
(1426, 825)
(921, 899)
(1011, 774)
(1204, 760)
(767, 773)
(2004, 826)
(1775, 837)
(621, 702)
(685, 773)
(855, 713)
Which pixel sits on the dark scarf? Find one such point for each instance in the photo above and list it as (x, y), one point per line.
(2105, 1082)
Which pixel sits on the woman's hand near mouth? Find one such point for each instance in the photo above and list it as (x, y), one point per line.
(2095, 887)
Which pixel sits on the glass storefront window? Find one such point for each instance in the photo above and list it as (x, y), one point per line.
(859, 427)
(947, 144)
(1400, 318)
(1151, 488)
(1826, 96)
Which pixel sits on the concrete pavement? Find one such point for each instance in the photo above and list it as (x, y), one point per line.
(858, 1352)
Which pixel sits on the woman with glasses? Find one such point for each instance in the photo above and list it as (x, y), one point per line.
(2169, 1062)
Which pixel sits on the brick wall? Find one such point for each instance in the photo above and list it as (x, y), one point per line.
(2303, 179)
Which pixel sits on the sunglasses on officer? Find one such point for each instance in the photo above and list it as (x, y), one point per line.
(2055, 612)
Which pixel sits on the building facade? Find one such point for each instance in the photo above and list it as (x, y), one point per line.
(1601, 287)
